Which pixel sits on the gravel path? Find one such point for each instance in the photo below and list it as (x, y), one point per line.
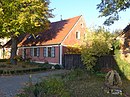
(11, 85)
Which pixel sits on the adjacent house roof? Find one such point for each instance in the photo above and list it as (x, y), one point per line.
(127, 28)
(54, 35)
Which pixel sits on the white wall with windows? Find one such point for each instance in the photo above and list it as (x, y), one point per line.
(47, 52)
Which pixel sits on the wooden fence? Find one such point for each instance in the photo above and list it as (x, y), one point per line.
(71, 61)
(107, 61)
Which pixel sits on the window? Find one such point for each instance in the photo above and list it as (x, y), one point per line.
(82, 25)
(35, 52)
(53, 52)
(49, 51)
(24, 53)
(38, 52)
(77, 35)
(45, 52)
(31, 51)
(30, 37)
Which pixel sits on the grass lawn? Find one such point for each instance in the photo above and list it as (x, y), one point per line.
(92, 86)
(74, 84)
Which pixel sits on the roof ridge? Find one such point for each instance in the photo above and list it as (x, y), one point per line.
(67, 19)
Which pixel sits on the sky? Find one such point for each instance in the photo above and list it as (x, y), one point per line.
(87, 8)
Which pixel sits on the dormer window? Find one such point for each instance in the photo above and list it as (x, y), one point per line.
(37, 36)
(29, 36)
(78, 35)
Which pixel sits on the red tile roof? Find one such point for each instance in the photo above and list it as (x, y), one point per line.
(54, 35)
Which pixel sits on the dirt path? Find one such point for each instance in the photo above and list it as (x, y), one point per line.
(11, 85)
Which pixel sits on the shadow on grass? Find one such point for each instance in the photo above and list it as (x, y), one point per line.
(106, 63)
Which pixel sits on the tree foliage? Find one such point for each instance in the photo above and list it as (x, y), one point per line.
(23, 16)
(75, 49)
(98, 43)
(111, 8)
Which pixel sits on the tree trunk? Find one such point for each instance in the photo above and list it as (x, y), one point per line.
(13, 51)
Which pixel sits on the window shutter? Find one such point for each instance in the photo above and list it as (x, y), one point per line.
(31, 52)
(45, 52)
(38, 52)
(53, 52)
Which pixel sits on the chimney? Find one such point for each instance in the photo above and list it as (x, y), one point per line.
(61, 17)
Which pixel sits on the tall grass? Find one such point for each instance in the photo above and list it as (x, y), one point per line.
(123, 66)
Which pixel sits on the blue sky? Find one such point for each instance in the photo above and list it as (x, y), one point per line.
(87, 8)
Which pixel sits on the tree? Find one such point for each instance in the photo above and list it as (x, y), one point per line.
(111, 8)
(98, 43)
(23, 16)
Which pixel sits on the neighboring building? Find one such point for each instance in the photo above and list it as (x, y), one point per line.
(124, 39)
(2, 52)
(49, 46)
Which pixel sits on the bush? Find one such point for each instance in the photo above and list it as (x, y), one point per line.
(21, 71)
(4, 60)
(18, 58)
(2, 65)
(57, 66)
(75, 74)
(98, 43)
(52, 87)
(90, 54)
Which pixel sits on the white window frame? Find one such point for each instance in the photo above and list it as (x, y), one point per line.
(53, 52)
(31, 52)
(45, 52)
(23, 53)
(77, 34)
(37, 52)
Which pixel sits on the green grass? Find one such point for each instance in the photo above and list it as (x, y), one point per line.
(87, 85)
(122, 65)
(78, 83)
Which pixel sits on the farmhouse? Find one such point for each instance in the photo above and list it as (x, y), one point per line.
(124, 39)
(50, 46)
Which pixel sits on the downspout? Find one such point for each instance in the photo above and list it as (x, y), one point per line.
(60, 54)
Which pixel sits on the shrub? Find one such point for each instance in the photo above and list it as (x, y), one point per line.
(98, 43)
(90, 54)
(4, 60)
(52, 87)
(45, 65)
(57, 66)
(75, 49)
(75, 74)
(2, 65)
(18, 58)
